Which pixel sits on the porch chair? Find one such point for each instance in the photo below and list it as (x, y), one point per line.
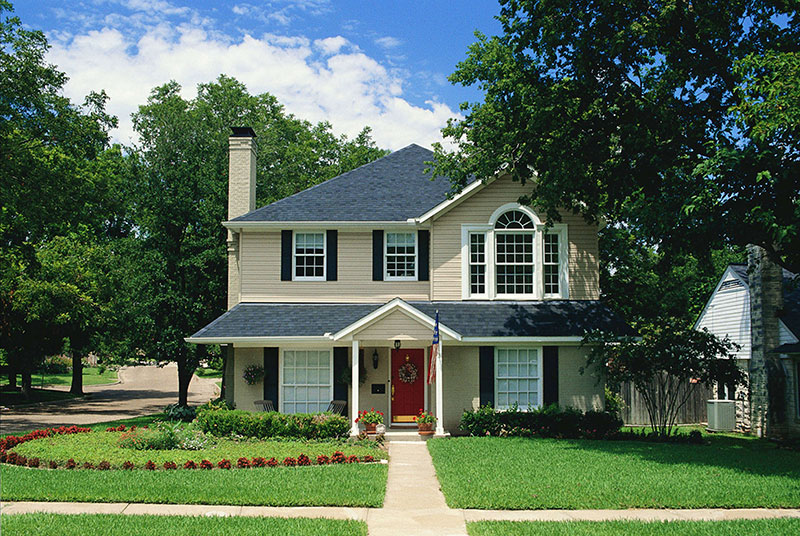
(337, 406)
(264, 405)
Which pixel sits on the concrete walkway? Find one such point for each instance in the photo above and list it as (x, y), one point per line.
(414, 505)
(140, 391)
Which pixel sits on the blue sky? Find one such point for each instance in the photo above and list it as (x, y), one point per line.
(381, 63)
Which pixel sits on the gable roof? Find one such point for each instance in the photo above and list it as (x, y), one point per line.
(392, 188)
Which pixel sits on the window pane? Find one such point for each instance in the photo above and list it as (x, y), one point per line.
(550, 264)
(516, 379)
(514, 262)
(401, 254)
(306, 380)
(309, 255)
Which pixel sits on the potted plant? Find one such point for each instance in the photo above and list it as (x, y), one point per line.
(425, 421)
(371, 419)
(253, 374)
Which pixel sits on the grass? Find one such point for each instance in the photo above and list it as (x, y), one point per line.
(516, 473)
(208, 372)
(640, 528)
(330, 485)
(100, 445)
(15, 398)
(122, 525)
(91, 376)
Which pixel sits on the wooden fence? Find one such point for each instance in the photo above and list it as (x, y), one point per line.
(693, 412)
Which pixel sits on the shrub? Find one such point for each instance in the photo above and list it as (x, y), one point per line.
(483, 421)
(128, 466)
(303, 460)
(272, 462)
(53, 464)
(71, 464)
(367, 459)
(150, 466)
(258, 461)
(243, 463)
(265, 425)
(213, 405)
(88, 465)
(224, 464)
(33, 462)
(600, 424)
(547, 421)
(170, 465)
(165, 436)
(205, 464)
(289, 461)
(190, 465)
(338, 457)
(323, 460)
(695, 437)
(176, 412)
(104, 465)
(352, 459)
(22, 460)
(56, 365)
(11, 458)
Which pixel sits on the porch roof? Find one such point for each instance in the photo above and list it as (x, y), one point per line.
(480, 319)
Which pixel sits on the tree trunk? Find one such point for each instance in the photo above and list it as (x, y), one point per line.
(224, 372)
(26, 383)
(77, 375)
(184, 378)
(12, 376)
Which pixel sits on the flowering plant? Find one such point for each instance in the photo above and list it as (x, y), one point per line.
(425, 417)
(253, 374)
(370, 417)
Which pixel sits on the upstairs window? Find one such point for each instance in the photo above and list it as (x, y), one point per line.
(551, 264)
(514, 234)
(401, 256)
(309, 256)
(477, 264)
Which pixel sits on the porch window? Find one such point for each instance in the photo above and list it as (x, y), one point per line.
(309, 256)
(306, 381)
(517, 378)
(401, 256)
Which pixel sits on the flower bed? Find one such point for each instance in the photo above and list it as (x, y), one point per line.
(11, 441)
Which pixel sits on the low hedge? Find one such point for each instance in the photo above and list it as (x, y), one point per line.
(263, 425)
(547, 421)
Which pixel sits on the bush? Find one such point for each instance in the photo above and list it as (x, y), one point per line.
(258, 461)
(224, 464)
(205, 464)
(128, 466)
(176, 412)
(272, 424)
(243, 463)
(190, 464)
(33, 462)
(323, 460)
(338, 457)
(104, 465)
(56, 365)
(150, 466)
(289, 461)
(214, 405)
(53, 464)
(170, 465)
(164, 436)
(71, 464)
(303, 460)
(547, 421)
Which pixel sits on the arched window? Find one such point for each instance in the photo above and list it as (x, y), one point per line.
(514, 219)
(514, 258)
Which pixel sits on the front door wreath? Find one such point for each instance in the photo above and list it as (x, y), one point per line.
(407, 373)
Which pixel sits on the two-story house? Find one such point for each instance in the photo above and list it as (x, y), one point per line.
(335, 290)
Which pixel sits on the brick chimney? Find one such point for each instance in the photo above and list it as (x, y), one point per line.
(241, 198)
(767, 377)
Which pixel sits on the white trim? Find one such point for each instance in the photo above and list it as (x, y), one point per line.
(282, 225)
(560, 229)
(540, 377)
(354, 387)
(257, 341)
(466, 286)
(439, 390)
(512, 340)
(281, 396)
(454, 201)
(395, 304)
(386, 276)
(324, 275)
(502, 209)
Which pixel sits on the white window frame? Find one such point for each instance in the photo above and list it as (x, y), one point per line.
(538, 257)
(281, 385)
(386, 276)
(324, 275)
(540, 379)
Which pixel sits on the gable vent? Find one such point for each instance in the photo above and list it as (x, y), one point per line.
(730, 285)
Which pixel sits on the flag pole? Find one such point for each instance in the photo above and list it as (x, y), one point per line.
(439, 390)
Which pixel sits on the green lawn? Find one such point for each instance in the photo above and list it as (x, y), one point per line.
(608, 528)
(516, 473)
(122, 525)
(100, 445)
(330, 485)
(91, 376)
(13, 398)
(208, 372)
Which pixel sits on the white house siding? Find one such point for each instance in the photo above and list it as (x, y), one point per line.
(728, 313)
(245, 395)
(784, 335)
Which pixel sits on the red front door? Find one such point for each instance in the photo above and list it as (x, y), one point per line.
(408, 384)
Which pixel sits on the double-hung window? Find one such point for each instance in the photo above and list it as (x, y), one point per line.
(306, 381)
(309, 256)
(551, 264)
(401, 256)
(514, 258)
(517, 378)
(477, 264)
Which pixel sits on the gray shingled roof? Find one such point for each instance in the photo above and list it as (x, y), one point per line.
(470, 319)
(791, 297)
(392, 188)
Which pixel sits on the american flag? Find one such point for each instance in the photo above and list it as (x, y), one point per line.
(434, 351)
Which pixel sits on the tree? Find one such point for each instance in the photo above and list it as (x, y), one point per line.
(662, 365)
(178, 184)
(676, 119)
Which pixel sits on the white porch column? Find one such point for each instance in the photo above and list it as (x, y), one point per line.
(439, 401)
(354, 391)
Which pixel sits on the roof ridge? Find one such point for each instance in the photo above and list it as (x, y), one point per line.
(341, 175)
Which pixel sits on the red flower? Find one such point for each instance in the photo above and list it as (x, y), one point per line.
(289, 461)
(243, 463)
(224, 464)
(190, 465)
(303, 460)
(150, 466)
(272, 462)
(323, 460)
(205, 464)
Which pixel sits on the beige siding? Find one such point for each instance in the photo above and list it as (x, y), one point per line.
(461, 389)
(446, 243)
(395, 326)
(366, 399)
(576, 390)
(245, 395)
(261, 274)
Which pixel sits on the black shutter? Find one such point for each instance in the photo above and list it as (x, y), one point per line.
(424, 242)
(286, 255)
(486, 375)
(377, 255)
(340, 364)
(271, 376)
(550, 365)
(332, 255)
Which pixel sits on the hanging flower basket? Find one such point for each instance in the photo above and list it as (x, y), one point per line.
(407, 373)
(253, 374)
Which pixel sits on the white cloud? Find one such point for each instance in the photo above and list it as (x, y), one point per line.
(388, 42)
(329, 79)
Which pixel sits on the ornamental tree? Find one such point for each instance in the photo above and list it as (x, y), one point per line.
(662, 365)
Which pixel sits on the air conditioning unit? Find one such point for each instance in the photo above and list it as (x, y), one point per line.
(721, 415)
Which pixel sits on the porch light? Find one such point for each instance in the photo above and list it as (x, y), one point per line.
(375, 359)
(396, 345)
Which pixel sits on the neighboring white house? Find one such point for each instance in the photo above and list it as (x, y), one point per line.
(760, 313)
